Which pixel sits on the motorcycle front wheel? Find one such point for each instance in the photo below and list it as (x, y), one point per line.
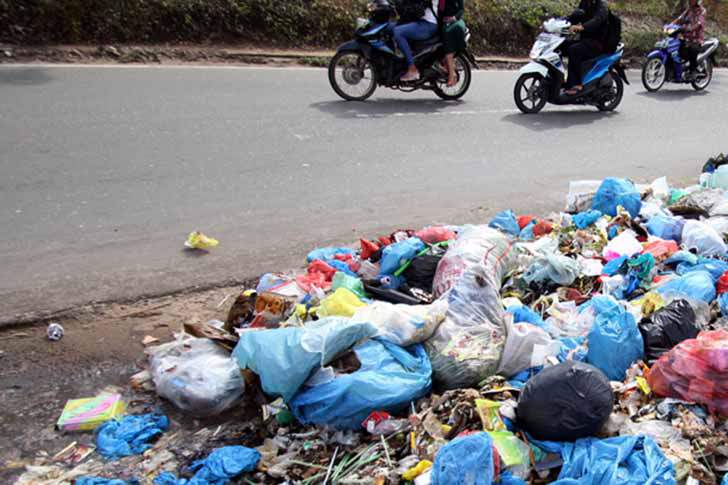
(530, 93)
(352, 76)
(654, 75)
(464, 76)
(704, 76)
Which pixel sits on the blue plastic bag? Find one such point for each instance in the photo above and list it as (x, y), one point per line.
(615, 266)
(573, 348)
(697, 285)
(389, 378)
(623, 460)
(582, 220)
(525, 314)
(683, 257)
(506, 221)
(725, 480)
(665, 227)
(284, 358)
(130, 435)
(715, 267)
(507, 478)
(104, 481)
(526, 233)
(615, 341)
(616, 192)
(217, 469)
(723, 304)
(467, 460)
(395, 255)
(326, 254)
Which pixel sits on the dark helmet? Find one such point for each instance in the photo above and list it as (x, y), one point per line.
(380, 11)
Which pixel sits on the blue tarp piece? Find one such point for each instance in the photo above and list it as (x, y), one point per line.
(129, 435)
(615, 266)
(582, 220)
(104, 481)
(615, 341)
(525, 314)
(697, 285)
(217, 469)
(616, 192)
(467, 460)
(397, 254)
(284, 358)
(666, 227)
(389, 379)
(506, 221)
(326, 254)
(623, 460)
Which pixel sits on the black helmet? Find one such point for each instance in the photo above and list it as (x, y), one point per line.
(380, 11)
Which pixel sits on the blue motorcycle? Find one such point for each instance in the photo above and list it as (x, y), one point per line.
(664, 64)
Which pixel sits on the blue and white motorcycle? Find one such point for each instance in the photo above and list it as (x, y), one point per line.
(664, 64)
(541, 80)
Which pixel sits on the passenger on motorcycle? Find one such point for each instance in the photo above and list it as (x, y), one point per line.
(591, 21)
(420, 29)
(453, 34)
(693, 23)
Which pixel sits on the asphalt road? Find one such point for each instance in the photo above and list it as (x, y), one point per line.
(104, 170)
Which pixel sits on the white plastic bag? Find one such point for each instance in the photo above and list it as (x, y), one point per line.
(526, 346)
(403, 325)
(703, 238)
(581, 194)
(626, 244)
(196, 375)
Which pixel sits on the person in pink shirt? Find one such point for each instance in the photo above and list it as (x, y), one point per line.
(693, 23)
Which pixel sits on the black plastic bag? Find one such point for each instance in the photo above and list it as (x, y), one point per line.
(668, 327)
(391, 296)
(421, 271)
(565, 402)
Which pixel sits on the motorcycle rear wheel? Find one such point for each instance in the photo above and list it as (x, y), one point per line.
(465, 76)
(654, 75)
(352, 76)
(611, 103)
(708, 76)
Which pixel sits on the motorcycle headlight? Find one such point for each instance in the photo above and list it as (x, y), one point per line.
(360, 22)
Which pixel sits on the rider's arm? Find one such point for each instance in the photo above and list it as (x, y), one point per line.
(600, 17)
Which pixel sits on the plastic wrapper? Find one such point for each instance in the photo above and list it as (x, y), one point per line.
(552, 267)
(526, 346)
(467, 346)
(668, 327)
(565, 320)
(661, 431)
(197, 240)
(702, 238)
(465, 460)
(615, 342)
(389, 379)
(284, 358)
(626, 244)
(695, 370)
(613, 193)
(196, 375)
(565, 402)
(403, 325)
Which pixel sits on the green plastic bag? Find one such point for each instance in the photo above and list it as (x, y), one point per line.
(343, 280)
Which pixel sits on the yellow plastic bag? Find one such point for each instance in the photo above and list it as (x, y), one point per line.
(197, 240)
(651, 302)
(341, 303)
(417, 470)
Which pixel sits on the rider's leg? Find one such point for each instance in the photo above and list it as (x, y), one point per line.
(420, 30)
(693, 53)
(578, 52)
(452, 76)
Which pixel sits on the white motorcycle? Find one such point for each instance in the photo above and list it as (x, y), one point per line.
(541, 80)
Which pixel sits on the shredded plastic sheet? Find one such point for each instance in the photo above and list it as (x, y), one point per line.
(628, 460)
(130, 435)
(218, 468)
(389, 379)
(467, 346)
(284, 358)
(196, 375)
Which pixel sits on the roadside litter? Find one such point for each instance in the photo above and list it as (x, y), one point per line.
(588, 346)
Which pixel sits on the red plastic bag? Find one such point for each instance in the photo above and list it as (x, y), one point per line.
(368, 248)
(523, 221)
(435, 234)
(319, 274)
(661, 249)
(542, 228)
(695, 370)
(722, 285)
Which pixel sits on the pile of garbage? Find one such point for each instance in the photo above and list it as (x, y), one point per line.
(587, 346)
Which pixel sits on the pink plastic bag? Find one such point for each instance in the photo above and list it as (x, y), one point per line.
(695, 370)
(435, 234)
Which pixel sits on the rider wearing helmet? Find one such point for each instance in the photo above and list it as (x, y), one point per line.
(693, 24)
(591, 19)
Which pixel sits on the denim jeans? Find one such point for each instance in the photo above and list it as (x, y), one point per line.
(420, 30)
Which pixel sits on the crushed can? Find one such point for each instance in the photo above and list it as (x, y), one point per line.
(55, 332)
